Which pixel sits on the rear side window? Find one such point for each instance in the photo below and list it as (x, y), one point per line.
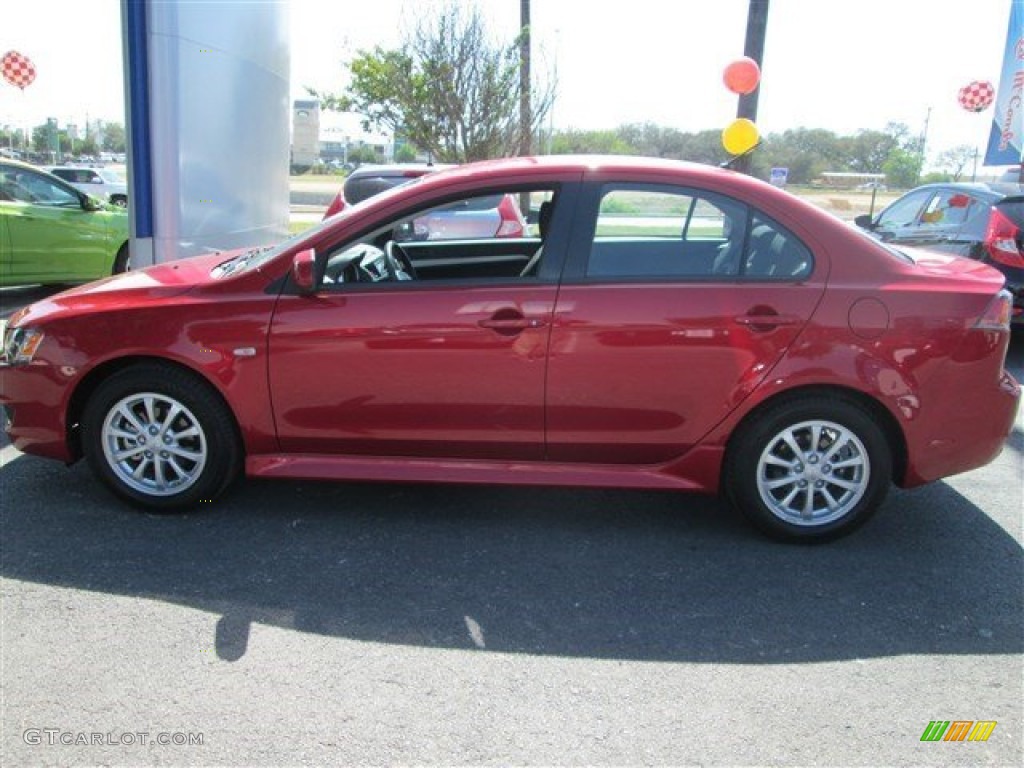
(361, 186)
(681, 233)
(774, 253)
(1013, 209)
(948, 208)
(667, 232)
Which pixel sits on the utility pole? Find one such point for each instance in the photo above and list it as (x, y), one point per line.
(753, 46)
(924, 142)
(525, 118)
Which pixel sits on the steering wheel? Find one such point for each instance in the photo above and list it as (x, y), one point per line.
(399, 264)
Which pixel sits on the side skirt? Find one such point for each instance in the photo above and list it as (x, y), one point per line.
(698, 471)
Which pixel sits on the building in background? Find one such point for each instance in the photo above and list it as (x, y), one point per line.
(305, 135)
(337, 139)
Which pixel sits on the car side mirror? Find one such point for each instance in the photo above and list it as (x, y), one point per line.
(304, 271)
(90, 203)
(864, 221)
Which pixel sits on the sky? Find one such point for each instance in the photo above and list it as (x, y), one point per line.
(842, 65)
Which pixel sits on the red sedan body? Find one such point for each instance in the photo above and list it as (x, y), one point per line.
(598, 363)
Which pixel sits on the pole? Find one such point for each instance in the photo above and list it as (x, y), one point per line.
(924, 142)
(524, 78)
(753, 46)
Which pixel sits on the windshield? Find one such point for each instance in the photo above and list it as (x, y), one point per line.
(111, 177)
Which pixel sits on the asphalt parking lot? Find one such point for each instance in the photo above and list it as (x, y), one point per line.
(303, 623)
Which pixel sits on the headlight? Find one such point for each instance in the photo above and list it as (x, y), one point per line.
(20, 345)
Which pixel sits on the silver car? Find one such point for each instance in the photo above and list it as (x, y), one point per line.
(103, 183)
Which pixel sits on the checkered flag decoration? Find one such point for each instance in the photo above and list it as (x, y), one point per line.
(976, 96)
(18, 69)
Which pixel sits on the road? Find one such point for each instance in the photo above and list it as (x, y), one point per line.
(302, 623)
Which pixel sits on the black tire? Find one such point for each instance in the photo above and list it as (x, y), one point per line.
(188, 451)
(119, 200)
(803, 497)
(121, 261)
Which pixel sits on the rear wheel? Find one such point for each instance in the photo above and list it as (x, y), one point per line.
(159, 437)
(809, 470)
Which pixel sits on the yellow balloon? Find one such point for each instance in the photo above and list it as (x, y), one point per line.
(740, 136)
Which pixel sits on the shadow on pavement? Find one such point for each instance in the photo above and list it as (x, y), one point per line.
(608, 574)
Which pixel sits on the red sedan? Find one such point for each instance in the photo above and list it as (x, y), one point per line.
(666, 326)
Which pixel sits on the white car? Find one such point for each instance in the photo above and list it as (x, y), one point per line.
(103, 183)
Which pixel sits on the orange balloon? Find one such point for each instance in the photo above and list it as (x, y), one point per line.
(742, 76)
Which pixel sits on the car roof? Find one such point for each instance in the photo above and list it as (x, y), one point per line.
(995, 190)
(398, 169)
(627, 165)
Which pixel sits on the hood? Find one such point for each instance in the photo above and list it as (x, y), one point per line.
(142, 286)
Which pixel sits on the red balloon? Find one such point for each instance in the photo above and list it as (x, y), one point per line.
(977, 95)
(742, 76)
(18, 69)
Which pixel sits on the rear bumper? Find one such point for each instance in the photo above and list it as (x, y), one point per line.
(970, 432)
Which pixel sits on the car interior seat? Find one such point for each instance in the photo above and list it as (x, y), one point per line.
(543, 223)
(773, 254)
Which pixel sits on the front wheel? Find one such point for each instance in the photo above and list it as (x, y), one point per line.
(809, 470)
(159, 437)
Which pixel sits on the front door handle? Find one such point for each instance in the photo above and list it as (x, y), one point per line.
(509, 323)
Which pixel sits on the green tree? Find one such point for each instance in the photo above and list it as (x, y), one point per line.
(902, 168)
(574, 142)
(362, 154)
(406, 153)
(448, 89)
(113, 137)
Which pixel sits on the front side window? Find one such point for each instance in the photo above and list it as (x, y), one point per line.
(499, 235)
(904, 213)
(27, 187)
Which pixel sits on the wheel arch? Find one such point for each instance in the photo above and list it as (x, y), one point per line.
(882, 416)
(87, 386)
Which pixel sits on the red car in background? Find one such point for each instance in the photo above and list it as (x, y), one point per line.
(671, 326)
(493, 216)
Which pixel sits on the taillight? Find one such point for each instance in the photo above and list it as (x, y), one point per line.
(511, 221)
(337, 206)
(997, 315)
(1001, 238)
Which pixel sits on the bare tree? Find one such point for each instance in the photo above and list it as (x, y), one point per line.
(449, 89)
(956, 160)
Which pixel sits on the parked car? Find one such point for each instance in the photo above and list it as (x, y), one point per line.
(52, 233)
(495, 216)
(1010, 176)
(673, 326)
(982, 221)
(106, 184)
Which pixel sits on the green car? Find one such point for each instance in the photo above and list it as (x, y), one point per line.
(52, 233)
